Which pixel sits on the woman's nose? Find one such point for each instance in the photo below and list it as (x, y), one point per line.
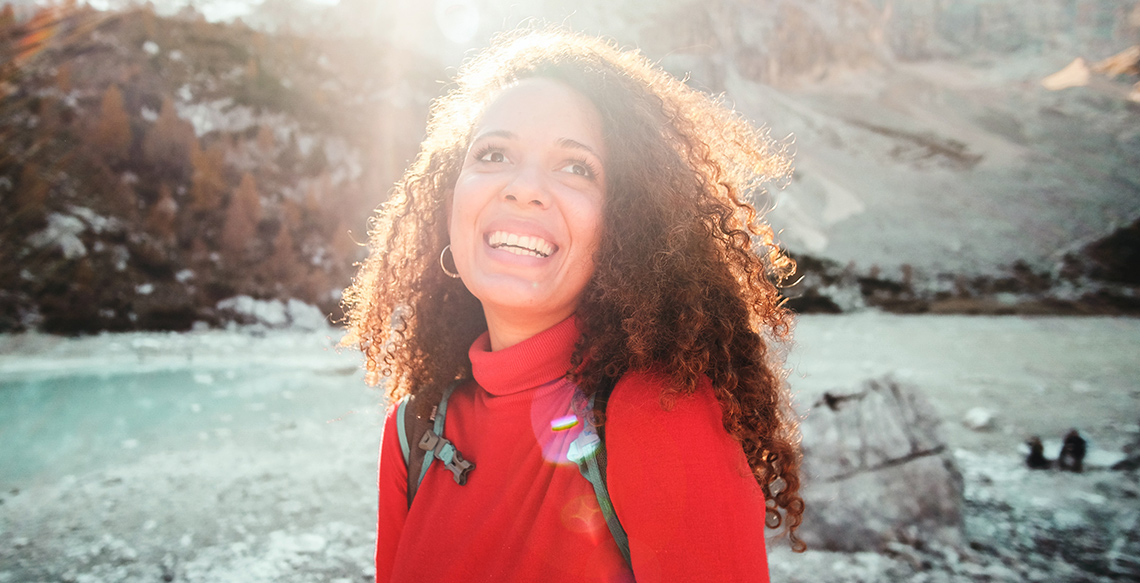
(527, 188)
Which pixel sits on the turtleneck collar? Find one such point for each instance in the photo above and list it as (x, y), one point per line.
(533, 362)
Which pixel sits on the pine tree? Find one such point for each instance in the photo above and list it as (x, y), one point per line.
(169, 143)
(290, 156)
(208, 182)
(7, 18)
(112, 134)
(63, 77)
(242, 217)
(317, 286)
(283, 262)
(31, 192)
(317, 192)
(160, 218)
(266, 141)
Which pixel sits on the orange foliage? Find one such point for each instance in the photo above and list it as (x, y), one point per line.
(169, 143)
(283, 262)
(37, 33)
(7, 16)
(113, 130)
(208, 183)
(266, 142)
(160, 219)
(242, 217)
(317, 193)
(63, 77)
(31, 192)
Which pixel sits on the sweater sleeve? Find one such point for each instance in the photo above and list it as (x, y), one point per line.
(681, 486)
(393, 489)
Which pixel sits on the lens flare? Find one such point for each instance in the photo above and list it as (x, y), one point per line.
(563, 423)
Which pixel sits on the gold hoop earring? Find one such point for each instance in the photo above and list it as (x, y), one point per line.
(444, 267)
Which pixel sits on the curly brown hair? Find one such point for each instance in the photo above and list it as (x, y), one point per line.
(685, 274)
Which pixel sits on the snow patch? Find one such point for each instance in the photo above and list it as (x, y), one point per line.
(979, 419)
(306, 316)
(97, 222)
(62, 230)
(275, 313)
(223, 115)
(120, 255)
(268, 312)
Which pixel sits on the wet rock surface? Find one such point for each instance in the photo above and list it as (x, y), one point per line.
(877, 471)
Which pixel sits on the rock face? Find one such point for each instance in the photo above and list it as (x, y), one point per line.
(877, 472)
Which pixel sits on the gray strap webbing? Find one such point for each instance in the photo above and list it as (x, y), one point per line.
(440, 420)
(431, 445)
(402, 430)
(589, 451)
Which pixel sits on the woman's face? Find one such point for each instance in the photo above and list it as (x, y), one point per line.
(526, 213)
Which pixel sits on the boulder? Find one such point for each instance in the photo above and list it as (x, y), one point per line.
(877, 472)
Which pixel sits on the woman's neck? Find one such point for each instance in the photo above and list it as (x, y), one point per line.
(507, 328)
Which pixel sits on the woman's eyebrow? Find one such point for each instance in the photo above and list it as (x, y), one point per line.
(495, 134)
(576, 145)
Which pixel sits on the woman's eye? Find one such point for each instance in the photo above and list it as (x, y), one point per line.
(493, 156)
(579, 169)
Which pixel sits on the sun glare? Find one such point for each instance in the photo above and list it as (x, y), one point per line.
(458, 20)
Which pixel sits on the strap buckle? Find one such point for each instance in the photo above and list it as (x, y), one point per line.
(584, 446)
(443, 449)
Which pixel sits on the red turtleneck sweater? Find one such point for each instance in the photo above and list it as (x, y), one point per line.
(680, 484)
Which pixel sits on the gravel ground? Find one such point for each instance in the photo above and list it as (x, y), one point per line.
(234, 456)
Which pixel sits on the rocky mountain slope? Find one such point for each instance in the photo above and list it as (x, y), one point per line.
(154, 166)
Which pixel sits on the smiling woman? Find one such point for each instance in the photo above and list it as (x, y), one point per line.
(526, 210)
(572, 300)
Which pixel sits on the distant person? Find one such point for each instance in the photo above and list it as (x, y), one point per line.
(570, 275)
(1036, 459)
(1072, 456)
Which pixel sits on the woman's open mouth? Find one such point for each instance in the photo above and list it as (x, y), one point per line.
(531, 245)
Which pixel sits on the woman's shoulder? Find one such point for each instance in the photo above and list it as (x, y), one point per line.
(650, 397)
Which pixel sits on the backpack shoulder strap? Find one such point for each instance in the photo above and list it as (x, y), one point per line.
(589, 452)
(430, 444)
(410, 424)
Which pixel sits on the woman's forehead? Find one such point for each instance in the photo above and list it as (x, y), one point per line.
(542, 107)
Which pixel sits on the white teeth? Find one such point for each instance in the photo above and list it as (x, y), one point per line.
(520, 244)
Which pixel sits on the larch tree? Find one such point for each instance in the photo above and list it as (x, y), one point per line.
(63, 77)
(7, 17)
(160, 218)
(31, 191)
(169, 142)
(112, 134)
(283, 263)
(242, 217)
(208, 182)
(266, 142)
